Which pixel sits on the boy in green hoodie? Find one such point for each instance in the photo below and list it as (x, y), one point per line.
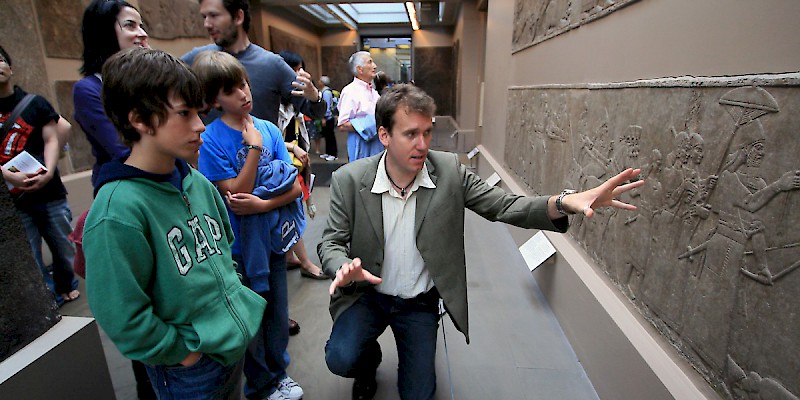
(159, 274)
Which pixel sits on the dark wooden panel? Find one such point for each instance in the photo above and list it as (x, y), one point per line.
(433, 72)
(282, 40)
(334, 64)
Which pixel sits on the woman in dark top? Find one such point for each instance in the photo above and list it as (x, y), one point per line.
(108, 26)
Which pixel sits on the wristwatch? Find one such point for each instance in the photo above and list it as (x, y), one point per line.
(559, 202)
(252, 146)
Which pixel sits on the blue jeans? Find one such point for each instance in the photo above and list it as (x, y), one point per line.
(51, 222)
(353, 350)
(266, 359)
(205, 380)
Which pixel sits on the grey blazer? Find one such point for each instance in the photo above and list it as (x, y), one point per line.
(355, 226)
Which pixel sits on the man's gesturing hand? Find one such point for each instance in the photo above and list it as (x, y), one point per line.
(604, 195)
(351, 272)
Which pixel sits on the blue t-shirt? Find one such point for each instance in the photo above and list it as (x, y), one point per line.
(222, 156)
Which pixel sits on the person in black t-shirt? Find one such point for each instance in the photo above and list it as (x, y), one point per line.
(40, 198)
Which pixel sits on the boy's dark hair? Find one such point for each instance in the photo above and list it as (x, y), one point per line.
(411, 97)
(5, 56)
(234, 6)
(99, 35)
(144, 80)
(293, 59)
(218, 70)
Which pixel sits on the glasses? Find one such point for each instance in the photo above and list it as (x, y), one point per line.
(132, 26)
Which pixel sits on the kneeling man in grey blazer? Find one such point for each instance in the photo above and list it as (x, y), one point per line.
(395, 243)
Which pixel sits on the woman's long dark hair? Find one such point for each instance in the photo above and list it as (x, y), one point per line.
(293, 59)
(99, 36)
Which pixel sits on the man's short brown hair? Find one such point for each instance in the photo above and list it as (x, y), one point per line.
(409, 96)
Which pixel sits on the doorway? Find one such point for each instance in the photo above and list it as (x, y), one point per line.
(392, 55)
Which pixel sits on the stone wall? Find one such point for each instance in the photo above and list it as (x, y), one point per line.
(711, 256)
(22, 42)
(60, 24)
(27, 309)
(172, 19)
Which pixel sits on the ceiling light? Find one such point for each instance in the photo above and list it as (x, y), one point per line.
(412, 15)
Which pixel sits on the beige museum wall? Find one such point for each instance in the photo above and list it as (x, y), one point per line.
(340, 38)
(623, 355)
(647, 39)
(470, 32)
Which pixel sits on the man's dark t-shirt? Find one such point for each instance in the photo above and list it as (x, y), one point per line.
(26, 134)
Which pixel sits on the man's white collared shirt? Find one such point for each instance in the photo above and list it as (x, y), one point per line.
(404, 273)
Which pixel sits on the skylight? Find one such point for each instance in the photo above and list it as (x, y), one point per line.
(358, 13)
(377, 13)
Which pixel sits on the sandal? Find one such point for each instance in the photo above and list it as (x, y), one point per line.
(71, 296)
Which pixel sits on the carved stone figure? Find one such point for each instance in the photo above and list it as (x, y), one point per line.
(539, 20)
(712, 254)
(751, 386)
(591, 7)
(740, 193)
(556, 17)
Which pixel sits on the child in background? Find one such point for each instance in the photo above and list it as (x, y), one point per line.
(160, 278)
(248, 161)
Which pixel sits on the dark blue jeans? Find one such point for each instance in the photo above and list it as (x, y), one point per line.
(266, 359)
(51, 222)
(353, 350)
(205, 380)
(330, 137)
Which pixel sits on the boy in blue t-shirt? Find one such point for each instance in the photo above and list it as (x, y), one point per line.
(246, 159)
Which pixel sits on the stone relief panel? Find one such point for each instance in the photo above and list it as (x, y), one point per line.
(171, 19)
(712, 255)
(538, 20)
(282, 40)
(60, 24)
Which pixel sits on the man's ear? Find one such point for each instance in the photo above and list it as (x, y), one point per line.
(138, 123)
(383, 135)
(238, 18)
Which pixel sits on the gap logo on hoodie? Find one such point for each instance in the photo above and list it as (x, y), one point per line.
(203, 248)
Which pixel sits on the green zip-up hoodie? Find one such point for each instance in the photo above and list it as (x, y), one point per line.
(159, 274)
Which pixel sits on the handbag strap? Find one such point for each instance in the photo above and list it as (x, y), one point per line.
(15, 113)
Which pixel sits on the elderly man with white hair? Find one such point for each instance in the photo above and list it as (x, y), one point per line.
(357, 108)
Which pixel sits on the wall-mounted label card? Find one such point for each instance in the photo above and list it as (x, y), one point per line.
(473, 152)
(536, 250)
(493, 179)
